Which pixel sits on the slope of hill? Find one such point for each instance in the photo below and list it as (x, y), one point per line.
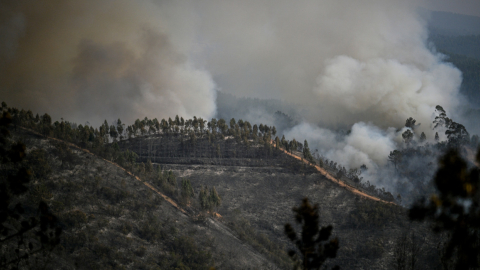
(112, 220)
(259, 191)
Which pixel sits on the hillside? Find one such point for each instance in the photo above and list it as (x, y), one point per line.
(204, 194)
(258, 194)
(111, 220)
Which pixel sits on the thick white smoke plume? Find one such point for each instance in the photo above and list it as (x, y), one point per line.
(363, 66)
(360, 65)
(343, 61)
(99, 59)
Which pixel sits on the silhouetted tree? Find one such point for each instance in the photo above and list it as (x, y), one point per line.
(410, 123)
(423, 137)
(113, 132)
(395, 157)
(455, 209)
(407, 136)
(306, 152)
(120, 128)
(46, 124)
(457, 134)
(313, 247)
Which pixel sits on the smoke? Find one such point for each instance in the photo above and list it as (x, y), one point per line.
(365, 144)
(360, 65)
(369, 145)
(385, 90)
(343, 61)
(94, 60)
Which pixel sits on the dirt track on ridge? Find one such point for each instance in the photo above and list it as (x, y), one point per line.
(168, 199)
(174, 204)
(335, 180)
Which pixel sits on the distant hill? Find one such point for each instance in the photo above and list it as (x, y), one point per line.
(468, 46)
(452, 24)
(470, 68)
(458, 37)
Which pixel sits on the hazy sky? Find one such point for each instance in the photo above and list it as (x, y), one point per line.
(467, 7)
(342, 60)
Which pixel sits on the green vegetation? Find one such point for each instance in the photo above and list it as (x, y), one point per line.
(209, 200)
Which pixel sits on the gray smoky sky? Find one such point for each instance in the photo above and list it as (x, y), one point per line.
(93, 60)
(343, 61)
(466, 7)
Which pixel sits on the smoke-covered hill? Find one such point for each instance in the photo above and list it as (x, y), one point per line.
(235, 201)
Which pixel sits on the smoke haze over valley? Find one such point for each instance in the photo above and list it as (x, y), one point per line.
(364, 66)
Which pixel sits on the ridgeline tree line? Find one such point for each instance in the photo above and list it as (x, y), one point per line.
(190, 134)
(416, 161)
(213, 139)
(174, 138)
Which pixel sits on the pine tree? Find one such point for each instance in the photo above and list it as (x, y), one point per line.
(306, 152)
(407, 136)
(120, 128)
(395, 157)
(457, 186)
(187, 190)
(113, 133)
(149, 166)
(313, 247)
(214, 198)
(423, 137)
(203, 199)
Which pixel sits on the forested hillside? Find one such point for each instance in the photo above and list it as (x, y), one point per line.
(106, 217)
(194, 193)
